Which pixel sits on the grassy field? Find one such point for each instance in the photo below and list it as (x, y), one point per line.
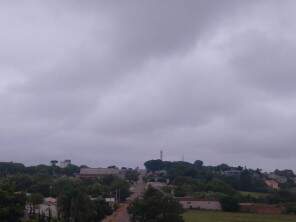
(208, 216)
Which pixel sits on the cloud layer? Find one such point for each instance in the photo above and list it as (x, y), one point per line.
(104, 82)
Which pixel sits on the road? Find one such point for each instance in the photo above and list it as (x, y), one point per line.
(121, 214)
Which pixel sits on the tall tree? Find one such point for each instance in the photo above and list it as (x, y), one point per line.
(74, 205)
(12, 206)
(53, 163)
(155, 207)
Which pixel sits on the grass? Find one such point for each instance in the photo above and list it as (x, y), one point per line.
(212, 216)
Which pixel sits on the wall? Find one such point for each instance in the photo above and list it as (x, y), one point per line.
(203, 205)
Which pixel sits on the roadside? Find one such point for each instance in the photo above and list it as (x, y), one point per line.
(121, 214)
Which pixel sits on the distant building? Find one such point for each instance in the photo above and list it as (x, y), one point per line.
(92, 173)
(278, 178)
(48, 208)
(272, 184)
(65, 163)
(156, 185)
(111, 201)
(200, 204)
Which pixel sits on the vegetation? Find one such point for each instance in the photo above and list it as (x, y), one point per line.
(210, 216)
(214, 182)
(84, 200)
(12, 206)
(132, 175)
(77, 200)
(229, 203)
(155, 207)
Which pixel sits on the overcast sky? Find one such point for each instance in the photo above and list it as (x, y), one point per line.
(115, 82)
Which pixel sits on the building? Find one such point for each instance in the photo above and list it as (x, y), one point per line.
(92, 173)
(273, 184)
(278, 178)
(156, 185)
(48, 208)
(111, 201)
(65, 163)
(200, 204)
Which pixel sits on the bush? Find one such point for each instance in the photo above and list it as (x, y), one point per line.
(229, 204)
(291, 208)
(155, 207)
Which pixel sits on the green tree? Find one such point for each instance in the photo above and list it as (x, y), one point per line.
(154, 165)
(73, 202)
(12, 206)
(102, 209)
(53, 162)
(220, 186)
(198, 163)
(229, 203)
(155, 207)
(131, 175)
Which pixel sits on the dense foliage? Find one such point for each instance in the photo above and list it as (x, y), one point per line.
(156, 207)
(78, 200)
(229, 203)
(12, 206)
(213, 182)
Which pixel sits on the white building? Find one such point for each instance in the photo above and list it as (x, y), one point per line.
(65, 163)
(92, 173)
(48, 208)
(199, 204)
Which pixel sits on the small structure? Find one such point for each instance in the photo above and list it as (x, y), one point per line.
(111, 201)
(273, 184)
(93, 173)
(261, 208)
(48, 208)
(156, 185)
(65, 163)
(278, 178)
(200, 204)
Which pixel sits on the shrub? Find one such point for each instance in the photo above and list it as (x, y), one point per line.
(229, 203)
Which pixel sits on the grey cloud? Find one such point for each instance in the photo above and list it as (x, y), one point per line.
(114, 82)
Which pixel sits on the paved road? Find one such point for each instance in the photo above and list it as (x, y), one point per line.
(121, 215)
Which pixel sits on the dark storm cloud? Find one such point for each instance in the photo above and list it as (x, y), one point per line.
(105, 82)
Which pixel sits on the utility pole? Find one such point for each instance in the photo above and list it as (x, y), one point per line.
(161, 155)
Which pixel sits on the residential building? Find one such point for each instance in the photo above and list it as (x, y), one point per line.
(278, 178)
(273, 184)
(65, 163)
(200, 204)
(111, 201)
(48, 208)
(92, 173)
(156, 185)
